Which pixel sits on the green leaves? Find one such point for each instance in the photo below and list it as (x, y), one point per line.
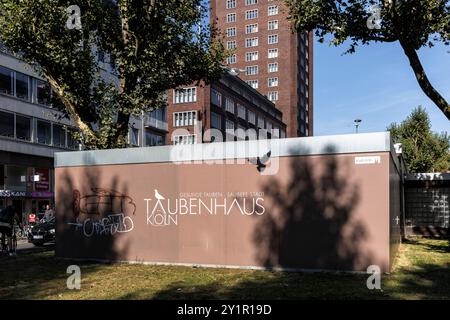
(414, 23)
(155, 46)
(423, 150)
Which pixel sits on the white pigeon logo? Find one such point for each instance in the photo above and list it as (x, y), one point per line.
(158, 196)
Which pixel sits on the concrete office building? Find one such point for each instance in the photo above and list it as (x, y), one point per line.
(276, 61)
(222, 111)
(32, 130)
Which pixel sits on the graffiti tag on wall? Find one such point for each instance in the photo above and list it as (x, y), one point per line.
(103, 212)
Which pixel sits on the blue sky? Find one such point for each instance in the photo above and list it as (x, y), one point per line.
(375, 84)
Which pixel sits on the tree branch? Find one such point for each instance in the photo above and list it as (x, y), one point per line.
(423, 81)
(381, 39)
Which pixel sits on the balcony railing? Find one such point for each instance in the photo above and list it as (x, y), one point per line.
(155, 123)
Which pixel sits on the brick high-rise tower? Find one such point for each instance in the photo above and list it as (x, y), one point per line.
(277, 62)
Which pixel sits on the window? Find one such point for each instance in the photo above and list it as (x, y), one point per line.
(251, 14)
(273, 67)
(231, 59)
(43, 92)
(273, 10)
(229, 105)
(251, 28)
(273, 38)
(251, 70)
(184, 139)
(6, 81)
(272, 25)
(272, 82)
(240, 133)
(251, 42)
(251, 117)
(231, 17)
(253, 83)
(23, 128)
(71, 142)
(250, 2)
(273, 95)
(216, 98)
(231, 4)
(14, 180)
(216, 121)
(152, 139)
(22, 86)
(185, 118)
(276, 132)
(251, 56)
(231, 32)
(273, 53)
(241, 111)
(261, 123)
(229, 126)
(59, 136)
(44, 134)
(302, 128)
(185, 95)
(134, 137)
(7, 124)
(231, 44)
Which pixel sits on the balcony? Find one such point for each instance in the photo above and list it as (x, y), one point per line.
(155, 123)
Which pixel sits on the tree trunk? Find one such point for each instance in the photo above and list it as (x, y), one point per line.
(423, 81)
(89, 135)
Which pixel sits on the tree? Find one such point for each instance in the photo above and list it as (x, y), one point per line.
(413, 23)
(423, 150)
(155, 45)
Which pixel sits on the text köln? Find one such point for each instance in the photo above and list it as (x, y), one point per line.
(162, 211)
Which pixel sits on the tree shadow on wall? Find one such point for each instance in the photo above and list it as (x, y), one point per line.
(93, 211)
(311, 224)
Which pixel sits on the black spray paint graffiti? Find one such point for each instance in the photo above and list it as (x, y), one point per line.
(103, 212)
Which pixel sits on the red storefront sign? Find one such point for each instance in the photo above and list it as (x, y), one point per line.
(44, 181)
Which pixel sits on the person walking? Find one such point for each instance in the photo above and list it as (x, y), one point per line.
(49, 213)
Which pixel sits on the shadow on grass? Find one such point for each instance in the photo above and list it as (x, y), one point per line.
(419, 280)
(35, 275)
(426, 281)
(277, 286)
(442, 247)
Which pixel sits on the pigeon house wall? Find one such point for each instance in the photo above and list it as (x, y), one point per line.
(322, 203)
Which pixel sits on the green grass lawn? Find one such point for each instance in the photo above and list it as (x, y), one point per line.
(422, 271)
